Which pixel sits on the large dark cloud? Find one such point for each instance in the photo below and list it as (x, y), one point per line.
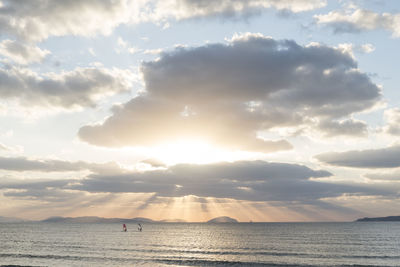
(245, 180)
(372, 158)
(228, 93)
(81, 87)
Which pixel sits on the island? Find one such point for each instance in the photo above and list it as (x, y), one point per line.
(380, 219)
(223, 219)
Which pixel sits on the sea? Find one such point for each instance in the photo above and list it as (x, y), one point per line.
(200, 244)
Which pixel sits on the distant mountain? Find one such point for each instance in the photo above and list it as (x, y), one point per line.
(380, 219)
(223, 219)
(141, 219)
(95, 219)
(10, 220)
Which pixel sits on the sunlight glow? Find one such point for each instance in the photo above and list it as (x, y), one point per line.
(191, 151)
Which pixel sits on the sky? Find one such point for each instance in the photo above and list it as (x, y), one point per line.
(261, 110)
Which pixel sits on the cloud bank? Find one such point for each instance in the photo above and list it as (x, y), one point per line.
(242, 180)
(372, 158)
(22, 54)
(227, 94)
(36, 20)
(21, 164)
(357, 20)
(384, 176)
(81, 87)
(185, 9)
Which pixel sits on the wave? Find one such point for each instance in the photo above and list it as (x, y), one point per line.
(255, 253)
(56, 257)
(176, 261)
(212, 263)
(202, 252)
(210, 252)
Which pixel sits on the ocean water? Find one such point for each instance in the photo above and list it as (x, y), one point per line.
(191, 244)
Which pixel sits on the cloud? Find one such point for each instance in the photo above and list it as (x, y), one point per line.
(4, 147)
(355, 20)
(392, 118)
(256, 180)
(249, 186)
(36, 20)
(366, 48)
(227, 94)
(373, 158)
(154, 163)
(243, 180)
(21, 164)
(41, 190)
(81, 87)
(22, 53)
(348, 127)
(125, 46)
(351, 48)
(185, 9)
(384, 176)
(153, 51)
(10, 149)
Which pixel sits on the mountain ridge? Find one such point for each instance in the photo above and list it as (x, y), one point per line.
(97, 219)
(380, 219)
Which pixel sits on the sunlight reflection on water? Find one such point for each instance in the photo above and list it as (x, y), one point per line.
(182, 244)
